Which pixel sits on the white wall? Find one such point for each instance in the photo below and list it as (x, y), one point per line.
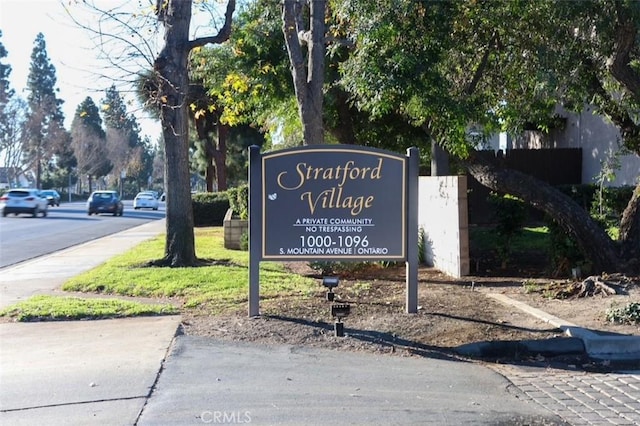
(442, 214)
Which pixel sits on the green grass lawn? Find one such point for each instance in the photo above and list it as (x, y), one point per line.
(222, 286)
(52, 308)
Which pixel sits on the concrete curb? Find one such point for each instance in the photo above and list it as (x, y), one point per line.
(595, 345)
(607, 346)
(514, 348)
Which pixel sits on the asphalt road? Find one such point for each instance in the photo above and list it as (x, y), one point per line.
(24, 237)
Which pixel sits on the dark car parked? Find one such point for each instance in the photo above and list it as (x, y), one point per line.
(52, 196)
(104, 202)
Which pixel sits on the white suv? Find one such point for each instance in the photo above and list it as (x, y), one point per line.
(30, 201)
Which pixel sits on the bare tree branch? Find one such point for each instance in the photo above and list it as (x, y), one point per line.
(223, 33)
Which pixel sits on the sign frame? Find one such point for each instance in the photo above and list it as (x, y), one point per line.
(333, 202)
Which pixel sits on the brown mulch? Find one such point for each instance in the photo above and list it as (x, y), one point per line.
(451, 313)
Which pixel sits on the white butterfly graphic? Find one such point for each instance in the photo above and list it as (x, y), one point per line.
(273, 196)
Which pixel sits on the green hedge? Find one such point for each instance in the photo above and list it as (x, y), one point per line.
(510, 214)
(239, 200)
(209, 208)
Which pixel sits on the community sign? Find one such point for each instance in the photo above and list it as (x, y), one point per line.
(332, 203)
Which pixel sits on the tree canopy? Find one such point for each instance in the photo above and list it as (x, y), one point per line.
(6, 92)
(439, 72)
(89, 141)
(449, 65)
(45, 121)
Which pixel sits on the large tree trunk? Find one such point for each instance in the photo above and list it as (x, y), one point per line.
(220, 157)
(630, 231)
(215, 148)
(210, 174)
(439, 160)
(308, 79)
(573, 219)
(206, 124)
(171, 65)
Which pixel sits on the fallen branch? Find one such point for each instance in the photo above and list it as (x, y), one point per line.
(595, 285)
(603, 285)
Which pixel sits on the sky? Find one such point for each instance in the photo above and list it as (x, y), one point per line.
(70, 51)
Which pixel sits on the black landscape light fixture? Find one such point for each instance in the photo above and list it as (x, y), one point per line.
(339, 311)
(330, 283)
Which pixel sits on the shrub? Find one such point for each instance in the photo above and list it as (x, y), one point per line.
(209, 208)
(629, 314)
(563, 250)
(510, 214)
(244, 241)
(581, 194)
(239, 200)
(614, 200)
(608, 205)
(422, 246)
(347, 268)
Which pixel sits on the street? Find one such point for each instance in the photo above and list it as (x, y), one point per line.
(24, 237)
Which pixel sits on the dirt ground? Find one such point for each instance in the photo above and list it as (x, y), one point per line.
(451, 313)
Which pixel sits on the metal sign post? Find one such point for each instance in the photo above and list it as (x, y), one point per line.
(255, 229)
(411, 277)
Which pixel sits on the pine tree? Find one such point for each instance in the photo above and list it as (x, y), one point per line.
(89, 141)
(114, 111)
(128, 153)
(6, 92)
(45, 118)
(12, 118)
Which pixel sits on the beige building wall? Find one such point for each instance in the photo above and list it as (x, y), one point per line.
(599, 140)
(443, 217)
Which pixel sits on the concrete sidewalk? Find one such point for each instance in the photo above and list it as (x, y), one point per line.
(81, 372)
(78, 372)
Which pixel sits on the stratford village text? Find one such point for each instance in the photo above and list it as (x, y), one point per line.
(333, 197)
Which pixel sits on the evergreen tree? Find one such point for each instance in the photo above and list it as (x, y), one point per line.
(158, 164)
(114, 111)
(12, 117)
(121, 130)
(240, 139)
(144, 175)
(45, 118)
(89, 141)
(6, 92)
(58, 171)
(128, 153)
